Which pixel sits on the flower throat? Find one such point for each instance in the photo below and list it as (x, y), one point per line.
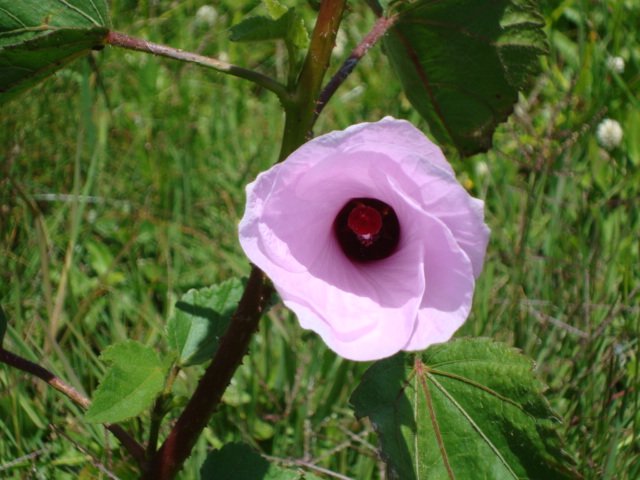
(367, 229)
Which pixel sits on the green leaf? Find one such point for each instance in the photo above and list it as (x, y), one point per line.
(469, 408)
(3, 325)
(38, 38)
(256, 29)
(275, 8)
(24, 20)
(237, 461)
(288, 27)
(462, 62)
(199, 320)
(134, 380)
(298, 34)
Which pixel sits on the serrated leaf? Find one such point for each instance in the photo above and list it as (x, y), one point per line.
(199, 320)
(469, 408)
(462, 62)
(275, 8)
(38, 38)
(134, 380)
(256, 29)
(3, 325)
(298, 34)
(289, 27)
(237, 461)
(23, 20)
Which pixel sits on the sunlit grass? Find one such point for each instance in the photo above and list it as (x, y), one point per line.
(162, 155)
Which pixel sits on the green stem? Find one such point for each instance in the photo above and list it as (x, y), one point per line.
(292, 71)
(124, 41)
(160, 409)
(300, 111)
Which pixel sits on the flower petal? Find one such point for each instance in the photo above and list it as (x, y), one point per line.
(417, 296)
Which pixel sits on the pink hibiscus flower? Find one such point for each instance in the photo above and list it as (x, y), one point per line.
(369, 239)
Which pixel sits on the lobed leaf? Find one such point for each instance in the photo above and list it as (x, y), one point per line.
(462, 62)
(469, 408)
(134, 380)
(237, 461)
(199, 320)
(39, 38)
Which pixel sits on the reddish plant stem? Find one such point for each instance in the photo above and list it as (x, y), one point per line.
(299, 107)
(131, 43)
(377, 32)
(13, 360)
(233, 346)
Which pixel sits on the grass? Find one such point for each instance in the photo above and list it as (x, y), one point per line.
(162, 151)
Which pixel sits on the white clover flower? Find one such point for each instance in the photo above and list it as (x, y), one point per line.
(206, 16)
(615, 64)
(92, 216)
(609, 134)
(341, 43)
(482, 169)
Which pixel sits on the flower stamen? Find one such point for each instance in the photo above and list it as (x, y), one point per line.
(366, 222)
(367, 229)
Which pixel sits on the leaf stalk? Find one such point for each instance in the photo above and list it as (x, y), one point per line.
(131, 43)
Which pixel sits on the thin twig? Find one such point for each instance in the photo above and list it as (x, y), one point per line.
(302, 463)
(24, 458)
(613, 314)
(127, 441)
(94, 460)
(124, 41)
(377, 32)
(61, 197)
(543, 317)
(42, 373)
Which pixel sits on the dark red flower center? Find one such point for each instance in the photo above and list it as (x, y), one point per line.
(367, 229)
(365, 221)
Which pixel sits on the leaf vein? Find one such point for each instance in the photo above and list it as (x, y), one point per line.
(9, 14)
(434, 423)
(482, 387)
(140, 387)
(77, 10)
(95, 7)
(475, 426)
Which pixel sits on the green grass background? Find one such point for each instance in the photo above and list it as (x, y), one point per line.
(163, 150)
